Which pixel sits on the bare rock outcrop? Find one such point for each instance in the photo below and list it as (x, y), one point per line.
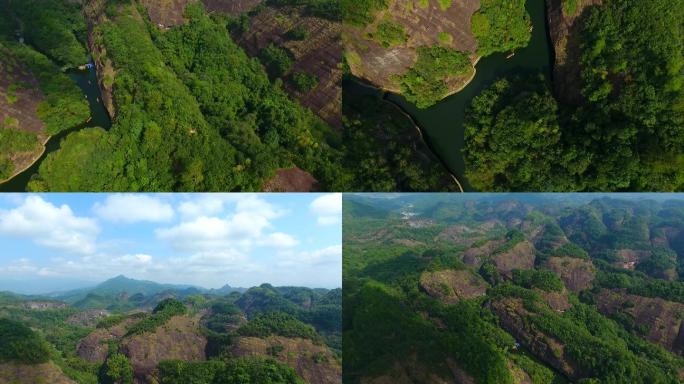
(521, 256)
(94, 348)
(379, 64)
(450, 286)
(178, 339)
(577, 274)
(314, 363)
(88, 318)
(474, 256)
(660, 320)
(94, 12)
(514, 319)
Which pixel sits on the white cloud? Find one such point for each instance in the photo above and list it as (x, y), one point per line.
(132, 208)
(316, 258)
(280, 240)
(209, 204)
(22, 265)
(97, 266)
(212, 204)
(220, 239)
(50, 226)
(328, 208)
(254, 205)
(133, 260)
(212, 233)
(246, 227)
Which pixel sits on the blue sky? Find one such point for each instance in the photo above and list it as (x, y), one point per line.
(61, 241)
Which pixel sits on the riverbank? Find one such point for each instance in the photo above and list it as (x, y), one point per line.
(383, 97)
(23, 168)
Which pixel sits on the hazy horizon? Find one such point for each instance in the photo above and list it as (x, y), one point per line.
(33, 290)
(58, 242)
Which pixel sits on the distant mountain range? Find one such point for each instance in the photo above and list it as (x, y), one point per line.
(122, 284)
(122, 292)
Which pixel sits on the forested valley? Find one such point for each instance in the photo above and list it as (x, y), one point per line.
(198, 99)
(128, 331)
(192, 112)
(513, 289)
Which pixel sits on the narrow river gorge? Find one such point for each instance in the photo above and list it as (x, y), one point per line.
(442, 124)
(87, 81)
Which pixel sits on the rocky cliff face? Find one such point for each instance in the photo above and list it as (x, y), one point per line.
(179, 338)
(94, 348)
(564, 30)
(106, 73)
(166, 13)
(521, 256)
(370, 60)
(319, 54)
(314, 363)
(658, 320)
(474, 256)
(232, 7)
(577, 274)
(88, 318)
(451, 286)
(513, 318)
(464, 234)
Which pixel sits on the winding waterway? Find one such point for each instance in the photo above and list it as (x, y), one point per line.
(442, 124)
(87, 81)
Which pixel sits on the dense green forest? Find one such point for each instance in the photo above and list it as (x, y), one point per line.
(19, 343)
(554, 294)
(424, 82)
(501, 26)
(239, 371)
(626, 134)
(205, 119)
(12, 141)
(300, 325)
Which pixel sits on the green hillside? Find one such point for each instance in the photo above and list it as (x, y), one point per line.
(175, 334)
(514, 288)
